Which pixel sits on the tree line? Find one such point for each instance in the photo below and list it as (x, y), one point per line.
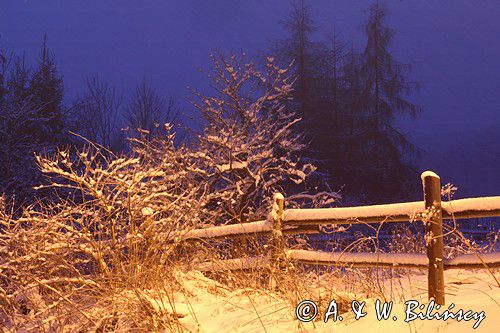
(347, 99)
(35, 120)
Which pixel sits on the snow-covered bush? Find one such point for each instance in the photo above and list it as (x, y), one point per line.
(250, 145)
(110, 234)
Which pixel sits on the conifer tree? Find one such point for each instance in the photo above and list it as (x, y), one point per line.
(4, 65)
(46, 88)
(385, 88)
(307, 57)
(299, 48)
(32, 121)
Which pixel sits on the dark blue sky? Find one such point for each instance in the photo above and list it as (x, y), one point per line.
(453, 46)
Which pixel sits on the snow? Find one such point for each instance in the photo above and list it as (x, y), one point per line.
(147, 211)
(275, 211)
(397, 212)
(228, 230)
(490, 259)
(232, 166)
(207, 306)
(368, 259)
(463, 208)
(358, 259)
(279, 196)
(426, 174)
(472, 204)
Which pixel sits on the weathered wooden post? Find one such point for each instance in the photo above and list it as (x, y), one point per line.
(277, 241)
(434, 235)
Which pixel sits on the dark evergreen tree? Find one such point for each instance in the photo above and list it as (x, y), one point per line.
(299, 48)
(343, 88)
(17, 143)
(309, 97)
(381, 147)
(334, 78)
(32, 120)
(46, 89)
(4, 65)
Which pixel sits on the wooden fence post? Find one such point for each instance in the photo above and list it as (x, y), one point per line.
(277, 241)
(434, 236)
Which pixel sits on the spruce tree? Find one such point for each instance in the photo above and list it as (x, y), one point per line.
(31, 121)
(310, 100)
(299, 48)
(46, 88)
(380, 145)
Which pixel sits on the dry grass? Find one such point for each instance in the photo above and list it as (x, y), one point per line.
(106, 237)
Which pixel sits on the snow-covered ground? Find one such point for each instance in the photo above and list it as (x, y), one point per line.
(207, 306)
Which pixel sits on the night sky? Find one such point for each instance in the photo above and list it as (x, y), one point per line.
(453, 46)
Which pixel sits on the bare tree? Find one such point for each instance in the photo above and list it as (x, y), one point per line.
(98, 112)
(148, 111)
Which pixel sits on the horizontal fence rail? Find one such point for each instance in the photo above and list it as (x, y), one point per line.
(308, 221)
(254, 229)
(373, 260)
(399, 212)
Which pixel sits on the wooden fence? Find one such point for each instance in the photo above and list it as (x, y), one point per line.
(307, 221)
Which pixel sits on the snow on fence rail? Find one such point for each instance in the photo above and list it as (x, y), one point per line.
(398, 212)
(380, 260)
(393, 260)
(250, 229)
(296, 221)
